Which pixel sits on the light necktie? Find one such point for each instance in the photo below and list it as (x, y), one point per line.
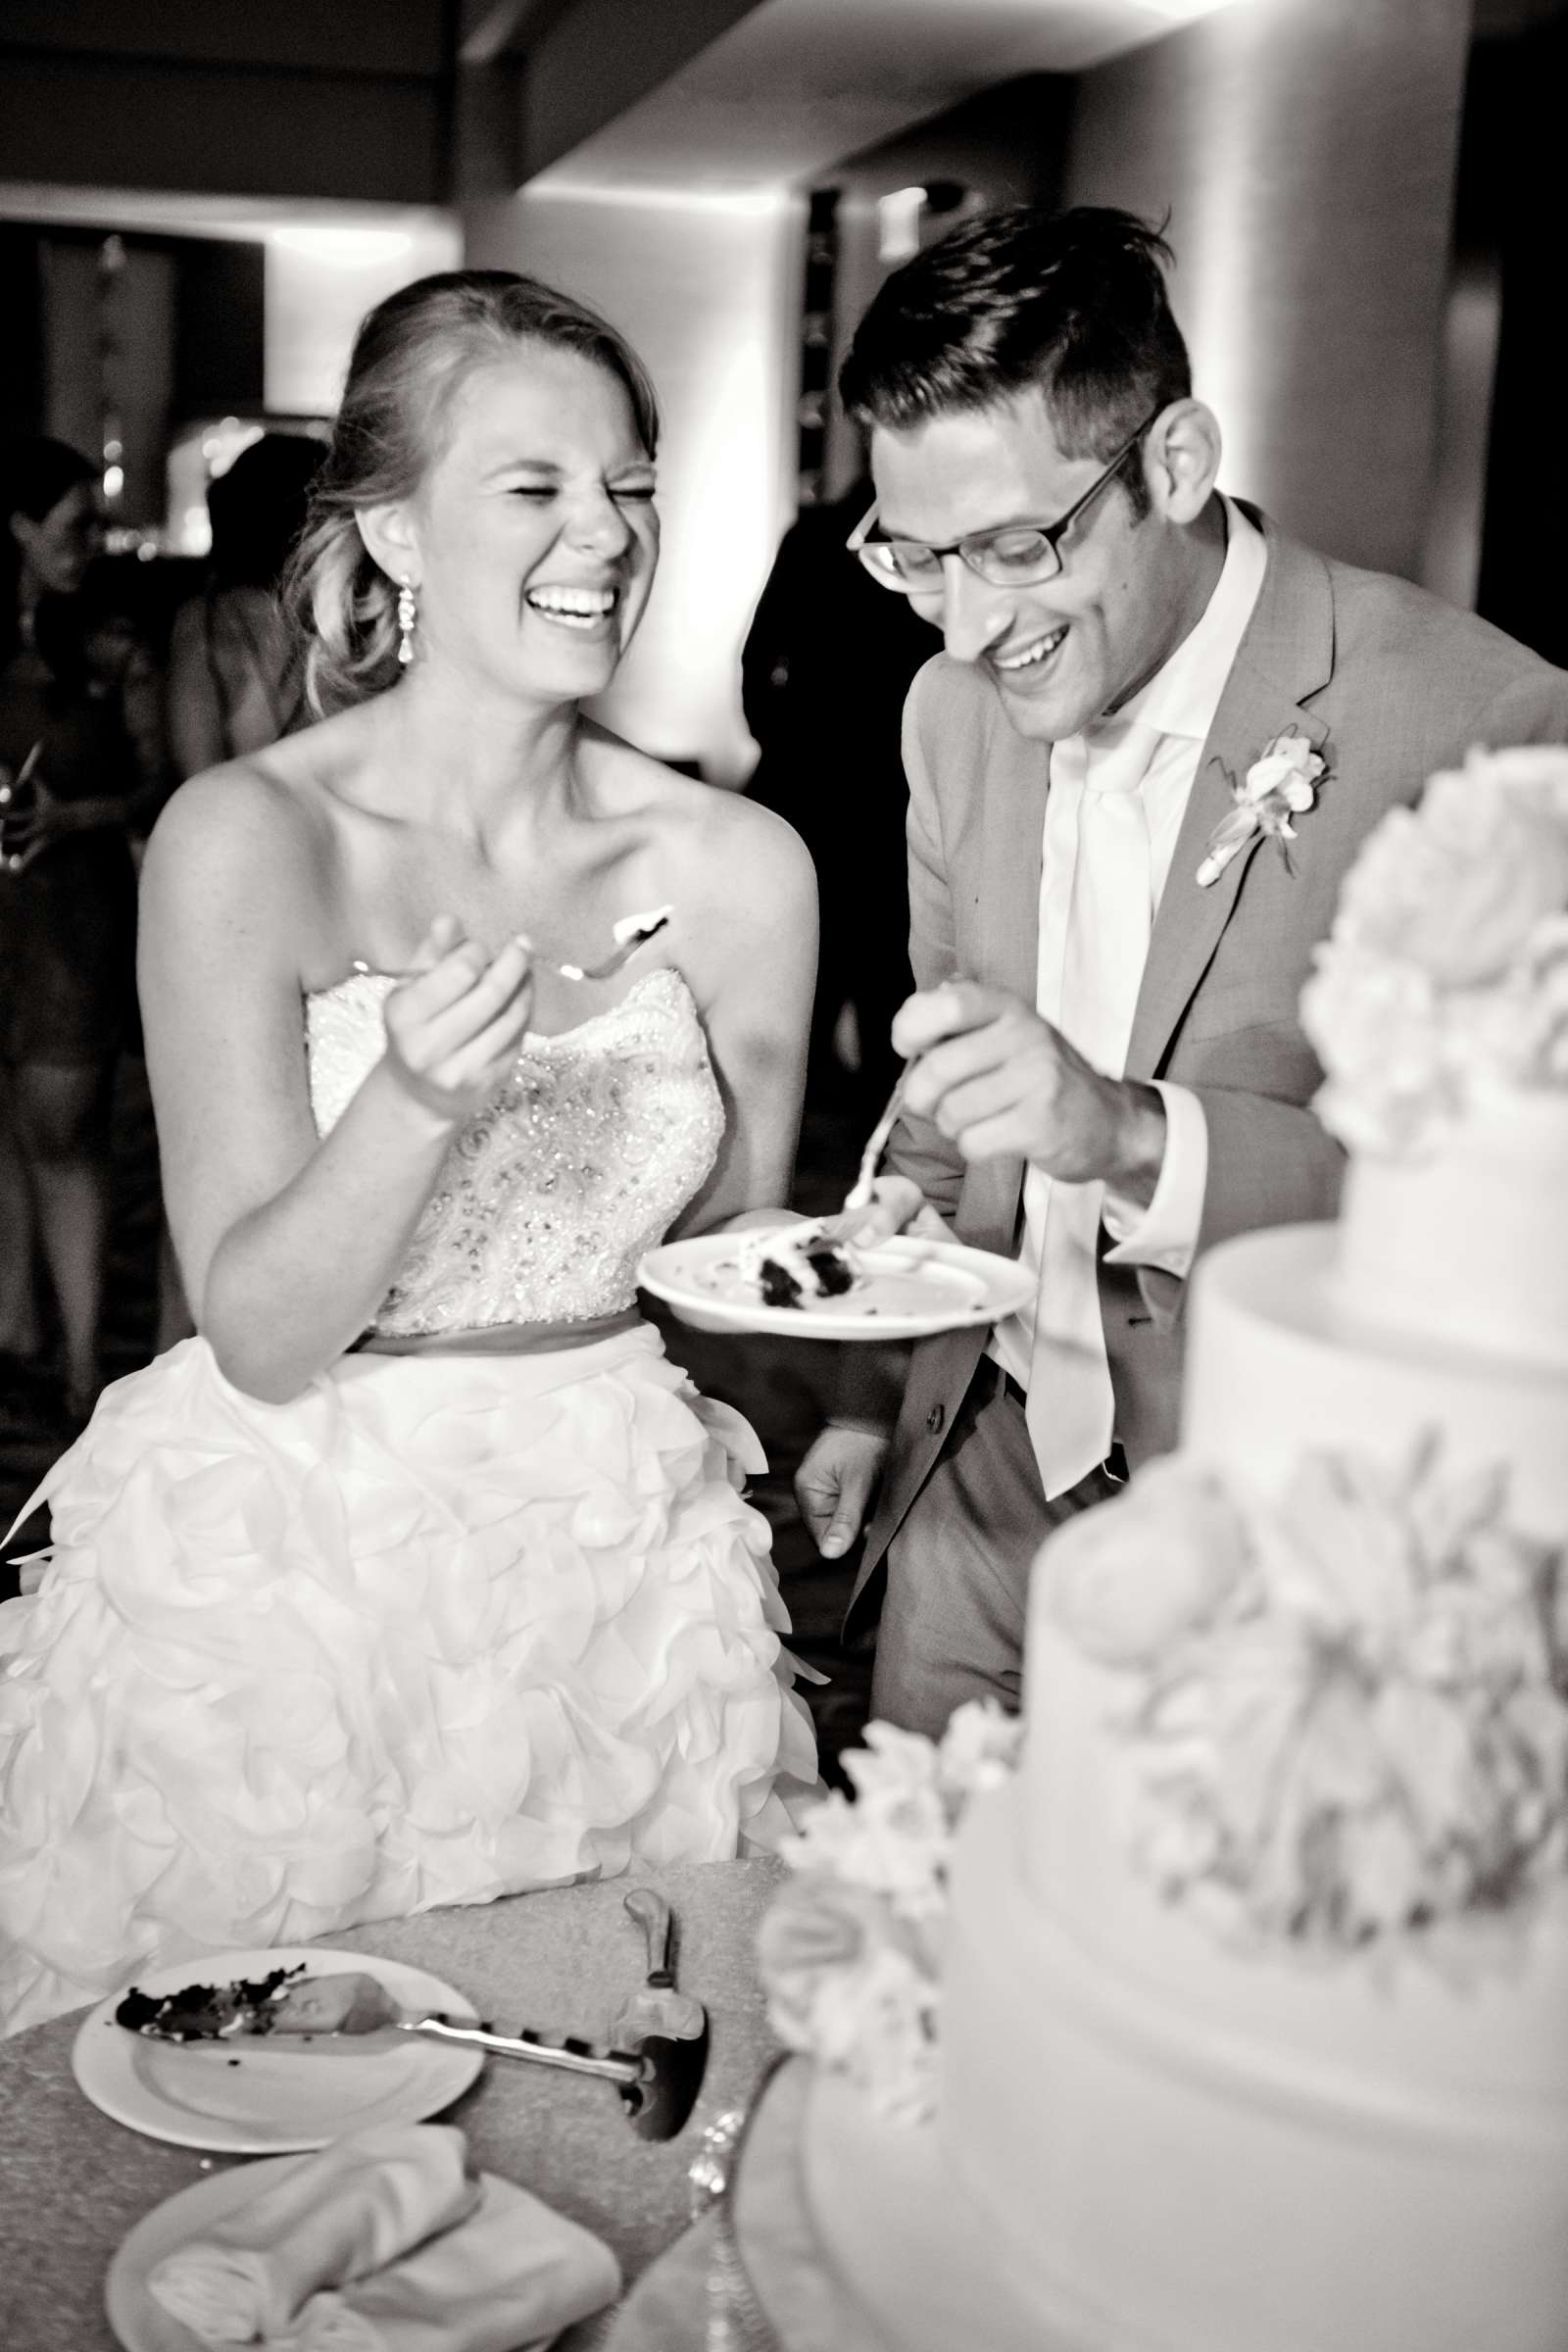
(1111, 913)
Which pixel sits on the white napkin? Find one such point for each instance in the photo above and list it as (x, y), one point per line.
(337, 2216)
(514, 2274)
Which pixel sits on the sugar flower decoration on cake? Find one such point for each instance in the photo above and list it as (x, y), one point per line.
(1359, 1724)
(1446, 969)
(1281, 783)
(852, 1947)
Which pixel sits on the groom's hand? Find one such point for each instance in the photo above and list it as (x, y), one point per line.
(996, 1079)
(836, 1486)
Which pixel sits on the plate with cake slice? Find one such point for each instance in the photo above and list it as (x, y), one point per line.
(802, 1282)
(225, 2084)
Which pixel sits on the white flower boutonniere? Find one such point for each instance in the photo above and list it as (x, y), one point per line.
(1281, 783)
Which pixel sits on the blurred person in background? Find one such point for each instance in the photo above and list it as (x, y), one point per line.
(826, 665)
(442, 1579)
(237, 679)
(80, 770)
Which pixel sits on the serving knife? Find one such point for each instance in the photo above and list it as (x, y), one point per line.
(343, 2015)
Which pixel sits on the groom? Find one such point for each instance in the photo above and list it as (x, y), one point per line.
(1108, 1072)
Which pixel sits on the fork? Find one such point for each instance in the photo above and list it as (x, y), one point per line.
(858, 1195)
(633, 931)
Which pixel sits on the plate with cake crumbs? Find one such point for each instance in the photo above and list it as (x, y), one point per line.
(798, 1281)
(239, 2093)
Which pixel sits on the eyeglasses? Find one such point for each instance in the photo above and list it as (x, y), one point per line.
(1017, 555)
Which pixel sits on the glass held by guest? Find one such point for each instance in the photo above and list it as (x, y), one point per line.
(421, 1576)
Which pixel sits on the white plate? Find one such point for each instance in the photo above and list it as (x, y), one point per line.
(254, 2098)
(137, 2318)
(913, 1287)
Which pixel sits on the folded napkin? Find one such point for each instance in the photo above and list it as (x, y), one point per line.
(514, 2274)
(336, 2216)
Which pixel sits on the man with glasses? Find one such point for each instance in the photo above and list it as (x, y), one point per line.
(1107, 1074)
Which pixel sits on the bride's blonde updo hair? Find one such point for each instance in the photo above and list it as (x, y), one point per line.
(412, 353)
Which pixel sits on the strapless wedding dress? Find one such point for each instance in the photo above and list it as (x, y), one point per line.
(451, 1624)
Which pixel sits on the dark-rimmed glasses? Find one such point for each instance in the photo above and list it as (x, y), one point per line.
(1016, 554)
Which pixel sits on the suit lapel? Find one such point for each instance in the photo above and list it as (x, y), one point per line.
(1015, 836)
(1286, 654)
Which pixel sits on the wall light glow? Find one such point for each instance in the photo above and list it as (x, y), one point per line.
(1187, 11)
(349, 248)
(898, 224)
(745, 202)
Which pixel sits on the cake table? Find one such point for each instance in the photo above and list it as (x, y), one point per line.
(73, 2182)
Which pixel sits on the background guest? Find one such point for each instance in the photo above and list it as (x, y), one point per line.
(79, 740)
(826, 665)
(235, 679)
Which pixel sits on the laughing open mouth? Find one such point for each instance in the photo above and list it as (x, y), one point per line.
(1030, 657)
(573, 607)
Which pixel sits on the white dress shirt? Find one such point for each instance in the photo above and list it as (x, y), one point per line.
(1177, 706)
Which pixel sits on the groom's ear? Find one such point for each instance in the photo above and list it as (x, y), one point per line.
(389, 539)
(1181, 460)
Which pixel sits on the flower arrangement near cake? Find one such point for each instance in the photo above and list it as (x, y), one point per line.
(852, 1950)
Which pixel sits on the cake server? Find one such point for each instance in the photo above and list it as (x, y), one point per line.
(655, 2007)
(340, 2016)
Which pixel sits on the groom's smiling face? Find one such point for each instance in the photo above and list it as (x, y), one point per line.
(1064, 651)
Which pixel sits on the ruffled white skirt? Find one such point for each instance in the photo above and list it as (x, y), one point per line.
(442, 1628)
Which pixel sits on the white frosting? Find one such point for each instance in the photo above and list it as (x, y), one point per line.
(1180, 2142)
(1146, 2146)
(1465, 1243)
(1271, 1370)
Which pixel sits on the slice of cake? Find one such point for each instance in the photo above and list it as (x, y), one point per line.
(792, 1265)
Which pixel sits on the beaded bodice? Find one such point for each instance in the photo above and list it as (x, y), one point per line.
(550, 1195)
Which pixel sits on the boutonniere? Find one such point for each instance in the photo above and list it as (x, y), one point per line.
(1281, 783)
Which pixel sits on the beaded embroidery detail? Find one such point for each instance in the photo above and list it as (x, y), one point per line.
(580, 1162)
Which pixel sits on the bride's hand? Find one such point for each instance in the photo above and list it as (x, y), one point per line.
(455, 1024)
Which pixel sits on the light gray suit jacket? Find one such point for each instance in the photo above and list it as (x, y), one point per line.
(1389, 684)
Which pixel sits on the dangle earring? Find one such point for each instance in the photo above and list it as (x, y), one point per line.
(408, 615)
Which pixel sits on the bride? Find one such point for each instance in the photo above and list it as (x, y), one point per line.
(421, 1576)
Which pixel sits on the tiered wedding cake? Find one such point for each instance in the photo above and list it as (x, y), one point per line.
(1254, 2000)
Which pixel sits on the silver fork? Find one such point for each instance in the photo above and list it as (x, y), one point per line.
(633, 931)
(858, 1195)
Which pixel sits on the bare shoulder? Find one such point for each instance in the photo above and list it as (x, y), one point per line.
(240, 847)
(724, 851)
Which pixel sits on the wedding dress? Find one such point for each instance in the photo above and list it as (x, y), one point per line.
(452, 1623)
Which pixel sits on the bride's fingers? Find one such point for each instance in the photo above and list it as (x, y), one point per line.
(426, 995)
(484, 1059)
(501, 989)
(443, 936)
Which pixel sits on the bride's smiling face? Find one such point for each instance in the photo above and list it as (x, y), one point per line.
(534, 537)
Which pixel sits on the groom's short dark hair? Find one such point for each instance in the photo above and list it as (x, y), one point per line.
(1073, 303)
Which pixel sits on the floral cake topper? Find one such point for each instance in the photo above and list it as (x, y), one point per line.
(1447, 966)
(1281, 783)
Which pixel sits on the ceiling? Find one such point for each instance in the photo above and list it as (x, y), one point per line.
(797, 85)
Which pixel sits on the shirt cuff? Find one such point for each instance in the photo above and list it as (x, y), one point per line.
(1165, 1233)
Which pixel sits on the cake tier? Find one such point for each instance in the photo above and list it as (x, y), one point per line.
(911, 2257)
(1188, 2150)
(1465, 1244)
(1272, 1370)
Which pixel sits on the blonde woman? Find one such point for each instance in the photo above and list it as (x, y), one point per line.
(421, 1576)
